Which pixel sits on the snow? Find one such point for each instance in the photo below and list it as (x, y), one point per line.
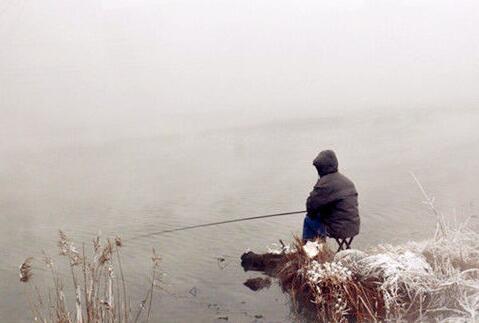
(312, 248)
(391, 265)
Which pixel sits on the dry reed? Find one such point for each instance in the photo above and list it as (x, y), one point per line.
(433, 280)
(99, 292)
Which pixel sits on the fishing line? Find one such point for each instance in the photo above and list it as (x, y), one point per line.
(213, 224)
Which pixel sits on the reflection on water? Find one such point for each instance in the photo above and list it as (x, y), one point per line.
(133, 187)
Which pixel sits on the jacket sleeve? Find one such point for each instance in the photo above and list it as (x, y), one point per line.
(318, 198)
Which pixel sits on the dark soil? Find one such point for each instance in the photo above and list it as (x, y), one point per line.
(258, 283)
(267, 263)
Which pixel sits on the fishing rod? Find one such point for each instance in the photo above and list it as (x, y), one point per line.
(213, 223)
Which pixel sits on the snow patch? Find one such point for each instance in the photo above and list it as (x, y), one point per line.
(313, 248)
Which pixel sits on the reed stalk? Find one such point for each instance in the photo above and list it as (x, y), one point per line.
(97, 294)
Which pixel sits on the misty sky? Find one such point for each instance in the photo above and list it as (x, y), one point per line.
(91, 69)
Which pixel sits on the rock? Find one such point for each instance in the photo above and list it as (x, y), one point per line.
(258, 283)
(267, 262)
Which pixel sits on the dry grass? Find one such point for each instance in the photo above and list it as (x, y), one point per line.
(433, 280)
(99, 291)
(291, 273)
(321, 287)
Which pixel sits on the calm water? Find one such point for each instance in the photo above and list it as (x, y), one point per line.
(132, 187)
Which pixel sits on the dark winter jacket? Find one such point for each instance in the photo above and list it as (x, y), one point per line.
(334, 198)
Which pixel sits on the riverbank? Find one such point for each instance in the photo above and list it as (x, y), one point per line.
(436, 279)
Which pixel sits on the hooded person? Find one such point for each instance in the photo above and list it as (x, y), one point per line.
(332, 205)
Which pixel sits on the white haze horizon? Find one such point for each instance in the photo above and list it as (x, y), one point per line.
(94, 71)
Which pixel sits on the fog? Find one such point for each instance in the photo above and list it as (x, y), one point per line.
(89, 71)
(132, 117)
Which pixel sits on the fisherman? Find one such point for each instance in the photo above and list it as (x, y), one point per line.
(332, 205)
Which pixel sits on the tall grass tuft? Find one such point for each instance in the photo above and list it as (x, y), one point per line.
(431, 280)
(99, 291)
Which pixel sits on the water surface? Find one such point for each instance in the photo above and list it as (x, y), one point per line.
(134, 186)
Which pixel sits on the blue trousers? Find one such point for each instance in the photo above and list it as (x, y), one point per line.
(313, 228)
